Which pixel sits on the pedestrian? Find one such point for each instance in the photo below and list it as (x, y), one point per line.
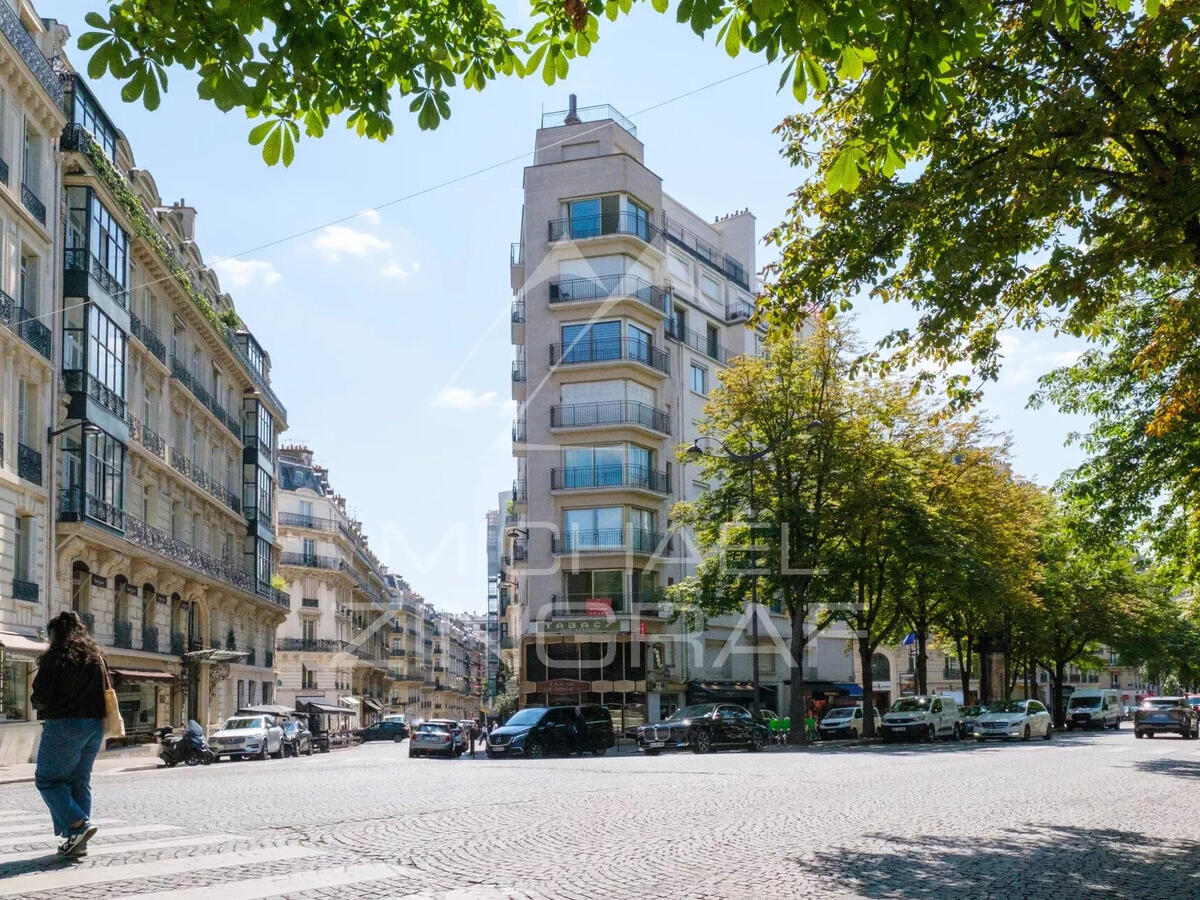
(69, 695)
(810, 725)
(471, 738)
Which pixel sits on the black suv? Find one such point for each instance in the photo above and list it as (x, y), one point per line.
(383, 731)
(539, 731)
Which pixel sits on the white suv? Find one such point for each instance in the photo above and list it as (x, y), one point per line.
(925, 718)
(243, 736)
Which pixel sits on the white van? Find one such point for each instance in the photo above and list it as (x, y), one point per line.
(1097, 708)
(925, 717)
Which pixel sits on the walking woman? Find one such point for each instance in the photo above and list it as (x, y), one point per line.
(68, 692)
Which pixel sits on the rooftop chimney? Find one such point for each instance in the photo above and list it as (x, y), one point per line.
(572, 116)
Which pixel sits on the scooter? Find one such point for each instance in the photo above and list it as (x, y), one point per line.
(190, 748)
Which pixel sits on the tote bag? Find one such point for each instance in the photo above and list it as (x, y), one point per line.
(114, 725)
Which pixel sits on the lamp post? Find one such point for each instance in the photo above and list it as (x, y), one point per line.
(695, 453)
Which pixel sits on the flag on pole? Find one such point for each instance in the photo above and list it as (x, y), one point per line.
(910, 639)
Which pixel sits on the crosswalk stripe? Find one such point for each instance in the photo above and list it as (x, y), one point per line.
(100, 848)
(272, 885)
(43, 824)
(22, 812)
(79, 876)
(46, 837)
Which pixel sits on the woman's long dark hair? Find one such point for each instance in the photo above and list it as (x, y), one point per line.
(69, 640)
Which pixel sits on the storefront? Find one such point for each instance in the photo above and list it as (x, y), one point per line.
(19, 728)
(739, 692)
(144, 698)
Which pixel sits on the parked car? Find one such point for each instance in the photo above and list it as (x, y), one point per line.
(846, 722)
(383, 731)
(432, 739)
(244, 736)
(925, 717)
(542, 731)
(460, 739)
(703, 728)
(967, 716)
(1094, 709)
(1157, 715)
(1014, 719)
(777, 726)
(297, 738)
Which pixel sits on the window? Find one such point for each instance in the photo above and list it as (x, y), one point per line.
(197, 531)
(713, 342)
(590, 529)
(710, 287)
(595, 592)
(306, 510)
(252, 686)
(677, 324)
(310, 549)
(307, 631)
(176, 518)
(266, 427)
(87, 113)
(106, 359)
(92, 229)
(264, 494)
(23, 556)
(106, 469)
(23, 428)
(591, 342)
(640, 343)
(31, 160)
(29, 288)
(699, 379)
(241, 693)
(639, 221)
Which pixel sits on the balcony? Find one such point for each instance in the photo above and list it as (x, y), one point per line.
(313, 645)
(26, 591)
(518, 312)
(33, 203)
(149, 439)
(701, 343)
(310, 603)
(518, 370)
(738, 311)
(81, 260)
(608, 287)
(251, 657)
(150, 638)
(193, 383)
(520, 552)
(123, 634)
(312, 523)
(587, 114)
(29, 464)
(310, 561)
(516, 254)
(178, 643)
(609, 540)
(212, 485)
(149, 339)
(519, 431)
(613, 412)
(78, 381)
(629, 223)
(24, 323)
(706, 253)
(24, 44)
(520, 491)
(611, 350)
(588, 478)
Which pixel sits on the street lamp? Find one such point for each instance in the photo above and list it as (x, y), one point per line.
(88, 428)
(695, 453)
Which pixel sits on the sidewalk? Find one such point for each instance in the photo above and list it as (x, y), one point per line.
(124, 759)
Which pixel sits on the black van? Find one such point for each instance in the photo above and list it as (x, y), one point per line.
(542, 731)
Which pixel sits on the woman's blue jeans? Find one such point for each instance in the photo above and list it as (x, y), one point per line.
(64, 769)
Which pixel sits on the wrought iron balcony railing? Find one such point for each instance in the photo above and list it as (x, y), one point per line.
(519, 431)
(310, 561)
(588, 114)
(149, 439)
(637, 540)
(609, 350)
(631, 223)
(25, 324)
(313, 523)
(610, 476)
(178, 643)
(149, 339)
(611, 412)
(708, 344)
(210, 483)
(76, 505)
(706, 253)
(520, 551)
(78, 381)
(3, 171)
(605, 287)
(29, 464)
(738, 311)
(123, 634)
(184, 376)
(33, 203)
(23, 42)
(80, 259)
(520, 491)
(150, 638)
(25, 590)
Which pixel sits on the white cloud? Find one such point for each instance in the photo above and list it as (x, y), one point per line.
(393, 269)
(336, 241)
(370, 216)
(465, 398)
(245, 272)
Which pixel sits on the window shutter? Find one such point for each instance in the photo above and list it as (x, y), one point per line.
(22, 411)
(21, 554)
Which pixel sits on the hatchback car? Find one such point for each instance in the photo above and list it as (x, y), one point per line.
(383, 731)
(703, 728)
(297, 738)
(1014, 719)
(1157, 715)
(456, 729)
(245, 736)
(431, 739)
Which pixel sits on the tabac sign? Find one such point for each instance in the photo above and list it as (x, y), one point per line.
(560, 686)
(581, 626)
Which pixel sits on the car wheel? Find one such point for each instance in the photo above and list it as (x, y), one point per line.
(411, 754)
(930, 734)
(1049, 731)
(193, 758)
(262, 753)
(599, 751)
(1149, 734)
(756, 742)
(1027, 733)
(979, 740)
(309, 752)
(653, 752)
(397, 738)
(958, 732)
(535, 750)
(1138, 734)
(702, 742)
(1070, 727)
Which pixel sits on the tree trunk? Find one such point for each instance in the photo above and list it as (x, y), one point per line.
(865, 653)
(1059, 712)
(922, 663)
(798, 704)
(964, 676)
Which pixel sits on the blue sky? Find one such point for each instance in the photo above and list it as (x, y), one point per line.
(389, 332)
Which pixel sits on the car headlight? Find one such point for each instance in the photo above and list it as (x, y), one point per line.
(518, 739)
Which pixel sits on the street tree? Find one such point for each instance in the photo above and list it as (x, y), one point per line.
(301, 63)
(794, 401)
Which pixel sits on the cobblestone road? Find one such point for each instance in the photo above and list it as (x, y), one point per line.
(1089, 815)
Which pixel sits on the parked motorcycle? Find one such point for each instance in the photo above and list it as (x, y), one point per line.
(190, 748)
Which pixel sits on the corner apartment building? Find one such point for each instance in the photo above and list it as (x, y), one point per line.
(335, 647)
(411, 664)
(163, 442)
(627, 305)
(31, 119)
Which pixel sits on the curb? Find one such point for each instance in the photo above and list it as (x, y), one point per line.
(28, 779)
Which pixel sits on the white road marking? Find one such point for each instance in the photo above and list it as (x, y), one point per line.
(45, 825)
(99, 848)
(23, 812)
(272, 885)
(47, 838)
(79, 876)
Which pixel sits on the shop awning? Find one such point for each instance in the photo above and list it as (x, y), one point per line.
(135, 676)
(327, 708)
(373, 704)
(20, 646)
(349, 701)
(267, 709)
(853, 691)
(216, 656)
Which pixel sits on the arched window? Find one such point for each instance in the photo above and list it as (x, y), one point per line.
(81, 593)
(122, 627)
(149, 629)
(881, 669)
